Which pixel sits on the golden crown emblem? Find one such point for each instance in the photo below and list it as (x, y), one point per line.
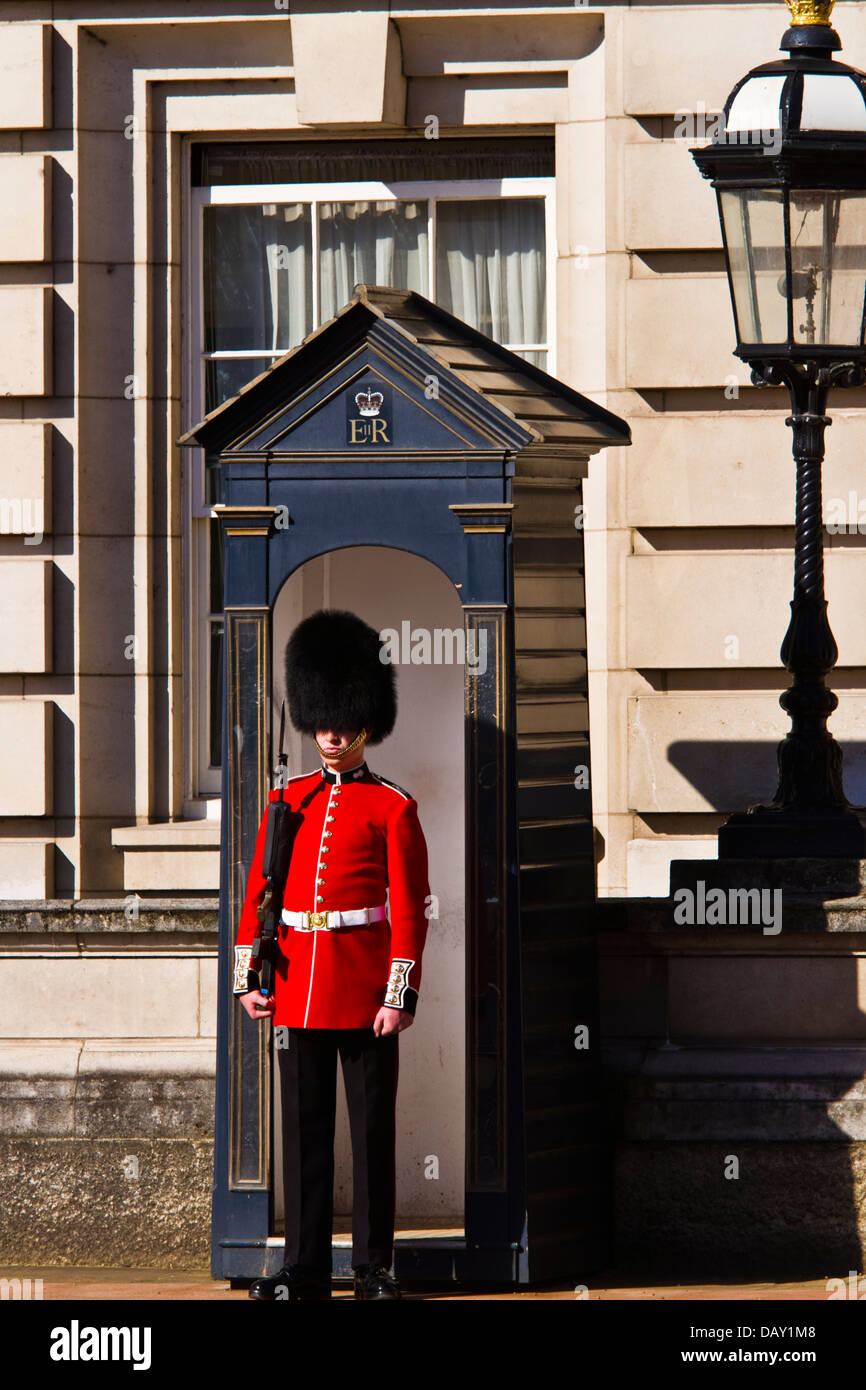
(810, 11)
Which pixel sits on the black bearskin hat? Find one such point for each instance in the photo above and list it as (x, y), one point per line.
(334, 678)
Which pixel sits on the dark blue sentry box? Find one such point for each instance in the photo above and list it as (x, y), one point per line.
(397, 425)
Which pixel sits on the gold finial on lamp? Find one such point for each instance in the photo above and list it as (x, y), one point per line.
(810, 11)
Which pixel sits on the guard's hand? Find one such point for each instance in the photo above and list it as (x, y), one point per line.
(256, 1005)
(389, 1021)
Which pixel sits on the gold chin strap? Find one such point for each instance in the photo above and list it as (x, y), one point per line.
(332, 757)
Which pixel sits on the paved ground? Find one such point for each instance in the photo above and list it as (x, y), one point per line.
(167, 1286)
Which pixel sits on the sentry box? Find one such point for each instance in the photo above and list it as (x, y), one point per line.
(400, 464)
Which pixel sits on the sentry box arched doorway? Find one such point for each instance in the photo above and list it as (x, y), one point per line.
(395, 425)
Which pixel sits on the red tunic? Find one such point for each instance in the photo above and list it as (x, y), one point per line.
(359, 840)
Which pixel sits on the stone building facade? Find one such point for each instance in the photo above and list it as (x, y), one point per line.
(128, 134)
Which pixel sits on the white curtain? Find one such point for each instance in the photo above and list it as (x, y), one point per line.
(380, 243)
(259, 280)
(490, 266)
(490, 270)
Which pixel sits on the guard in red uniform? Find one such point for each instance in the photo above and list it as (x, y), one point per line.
(348, 970)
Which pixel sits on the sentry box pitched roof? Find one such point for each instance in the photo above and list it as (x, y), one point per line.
(454, 393)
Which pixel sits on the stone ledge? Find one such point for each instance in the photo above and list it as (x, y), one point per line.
(90, 915)
(672, 1060)
(100, 1107)
(804, 915)
(759, 1112)
(105, 1087)
(187, 945)
(767, 1095)
(70, 1057)
(178, 834)
(829, 880)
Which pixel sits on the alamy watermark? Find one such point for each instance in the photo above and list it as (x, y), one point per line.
(854, 1289)
(736, 907)
(439, 646)
(704, 124)
(23, 1290)
(77, 1343)
(23, 516)
(843, 517)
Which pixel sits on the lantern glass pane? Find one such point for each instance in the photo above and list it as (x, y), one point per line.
(754, 222)
(828, 264)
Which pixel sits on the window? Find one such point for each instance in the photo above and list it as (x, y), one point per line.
(273, 261)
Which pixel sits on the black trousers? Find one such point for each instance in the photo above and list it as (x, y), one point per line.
(308, 1075)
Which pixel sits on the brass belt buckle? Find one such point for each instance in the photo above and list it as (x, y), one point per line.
(318, 919)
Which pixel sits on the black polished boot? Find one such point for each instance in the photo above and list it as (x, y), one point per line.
(374, 1281)
(291, 1284)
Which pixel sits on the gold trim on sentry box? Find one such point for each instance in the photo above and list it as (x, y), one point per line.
(252, 1174)
(465, 510)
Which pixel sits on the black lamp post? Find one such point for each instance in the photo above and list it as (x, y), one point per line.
(789, 169)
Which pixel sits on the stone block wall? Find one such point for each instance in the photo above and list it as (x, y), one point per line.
(107, 1063)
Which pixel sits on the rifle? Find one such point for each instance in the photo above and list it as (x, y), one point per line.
(279, 837)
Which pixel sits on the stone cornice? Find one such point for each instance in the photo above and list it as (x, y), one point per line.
(121, 916)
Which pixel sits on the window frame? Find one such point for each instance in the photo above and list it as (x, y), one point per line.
(203, 781)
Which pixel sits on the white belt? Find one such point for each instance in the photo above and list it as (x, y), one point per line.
(331, 921)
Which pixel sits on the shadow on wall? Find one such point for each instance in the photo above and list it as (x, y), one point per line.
(733, 775)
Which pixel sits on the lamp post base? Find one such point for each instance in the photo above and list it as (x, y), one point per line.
(769, 832)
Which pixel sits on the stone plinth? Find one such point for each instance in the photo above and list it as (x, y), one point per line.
(734, 1041)
(107, 1081)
